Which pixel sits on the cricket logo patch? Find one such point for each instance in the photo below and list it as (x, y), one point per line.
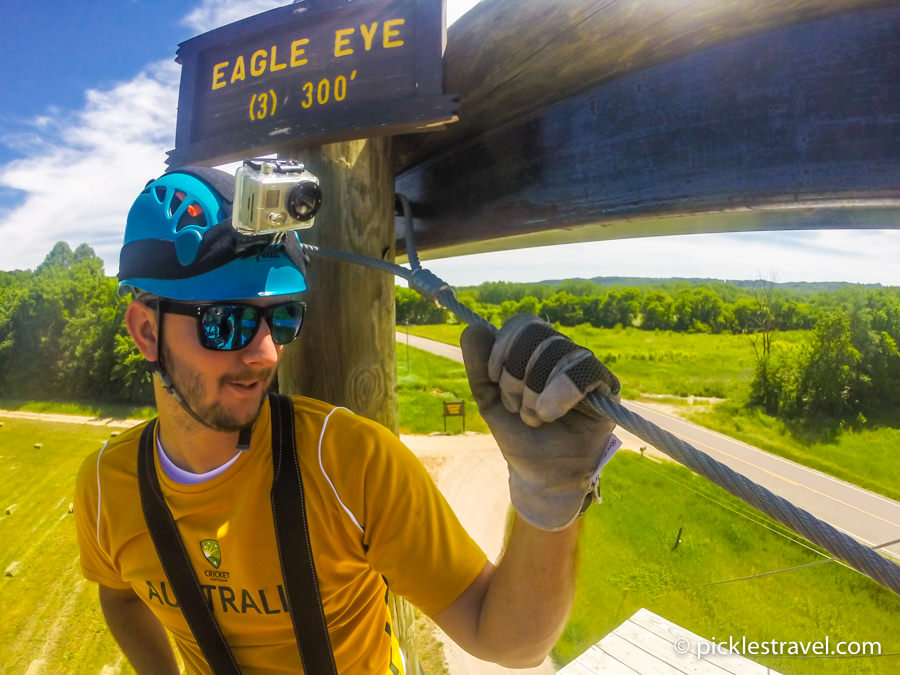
(211, 552)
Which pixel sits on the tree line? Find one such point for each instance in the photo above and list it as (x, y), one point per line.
(62, 332)
(63, 336)
(681, 306)
(846, 371)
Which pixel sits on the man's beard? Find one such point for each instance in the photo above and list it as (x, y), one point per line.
(206, 405)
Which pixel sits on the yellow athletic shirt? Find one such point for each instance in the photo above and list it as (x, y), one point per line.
(375, 517)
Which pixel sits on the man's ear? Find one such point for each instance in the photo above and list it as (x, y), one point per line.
(140, 320)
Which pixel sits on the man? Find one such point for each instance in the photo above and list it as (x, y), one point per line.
(212, 315)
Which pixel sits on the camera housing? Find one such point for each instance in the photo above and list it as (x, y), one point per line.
(274, 195)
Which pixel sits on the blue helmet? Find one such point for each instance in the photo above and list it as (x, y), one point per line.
(179, 244)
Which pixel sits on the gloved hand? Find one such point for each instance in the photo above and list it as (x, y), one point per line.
(527, 383)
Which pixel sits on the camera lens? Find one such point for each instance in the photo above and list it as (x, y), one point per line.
(304, 200)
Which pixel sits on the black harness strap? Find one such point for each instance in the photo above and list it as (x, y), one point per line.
(294, 549)
(294, 552)
(177, 564)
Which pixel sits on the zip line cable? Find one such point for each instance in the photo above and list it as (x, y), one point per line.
(842, 546)
(752, 516)
(752, 576)
(783, 531)
(774, 572)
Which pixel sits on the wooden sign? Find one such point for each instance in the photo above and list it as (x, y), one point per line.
(315, 71)
(455, 409)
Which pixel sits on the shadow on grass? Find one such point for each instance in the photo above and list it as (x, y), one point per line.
(810, 430)
(878, 420)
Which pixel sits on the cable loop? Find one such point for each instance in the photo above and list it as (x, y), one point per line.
(411, 253)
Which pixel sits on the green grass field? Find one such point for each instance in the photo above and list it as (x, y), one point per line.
(50, 613)
(424, 381)
(864, 457)
(629, 560)
(628, 556)
(657, 362)
(651, 365)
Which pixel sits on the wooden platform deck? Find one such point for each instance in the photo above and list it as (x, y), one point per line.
(647, 644)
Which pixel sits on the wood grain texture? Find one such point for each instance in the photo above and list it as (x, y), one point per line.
(307, 73)
(345, 354)
(347, 350)
(791, 128)
(506, 58)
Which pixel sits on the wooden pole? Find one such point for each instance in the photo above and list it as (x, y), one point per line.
(346, 354)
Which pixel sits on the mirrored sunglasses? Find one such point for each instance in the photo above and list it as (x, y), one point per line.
(227, 326)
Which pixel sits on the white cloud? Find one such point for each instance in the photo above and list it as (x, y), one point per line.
(211, 14)
(82, 170)
(456, 8)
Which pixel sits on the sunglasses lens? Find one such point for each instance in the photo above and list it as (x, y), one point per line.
(286, 322)
(222, 327)
(247, 323)
(230, 327)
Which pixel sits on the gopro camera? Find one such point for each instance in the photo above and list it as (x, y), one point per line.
(274, 195)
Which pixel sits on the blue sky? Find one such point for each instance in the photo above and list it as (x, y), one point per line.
(89, 96)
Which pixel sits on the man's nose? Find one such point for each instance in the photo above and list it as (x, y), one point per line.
(262, 350)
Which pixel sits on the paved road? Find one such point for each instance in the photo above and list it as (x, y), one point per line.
(441, 349)
(867, 516)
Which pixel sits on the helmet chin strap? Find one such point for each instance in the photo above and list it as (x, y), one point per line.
(158, 368)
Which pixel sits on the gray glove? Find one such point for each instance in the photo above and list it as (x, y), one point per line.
(528, 383)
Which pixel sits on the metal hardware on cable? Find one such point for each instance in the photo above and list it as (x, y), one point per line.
(842, 546)
(427, 284)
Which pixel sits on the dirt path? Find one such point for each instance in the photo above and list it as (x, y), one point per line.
(471, 473)
(113, 423)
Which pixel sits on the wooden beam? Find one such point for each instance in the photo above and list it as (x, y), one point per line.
(791, 128)
(506, 58)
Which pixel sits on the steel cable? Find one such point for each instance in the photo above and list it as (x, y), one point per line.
(842, 546)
